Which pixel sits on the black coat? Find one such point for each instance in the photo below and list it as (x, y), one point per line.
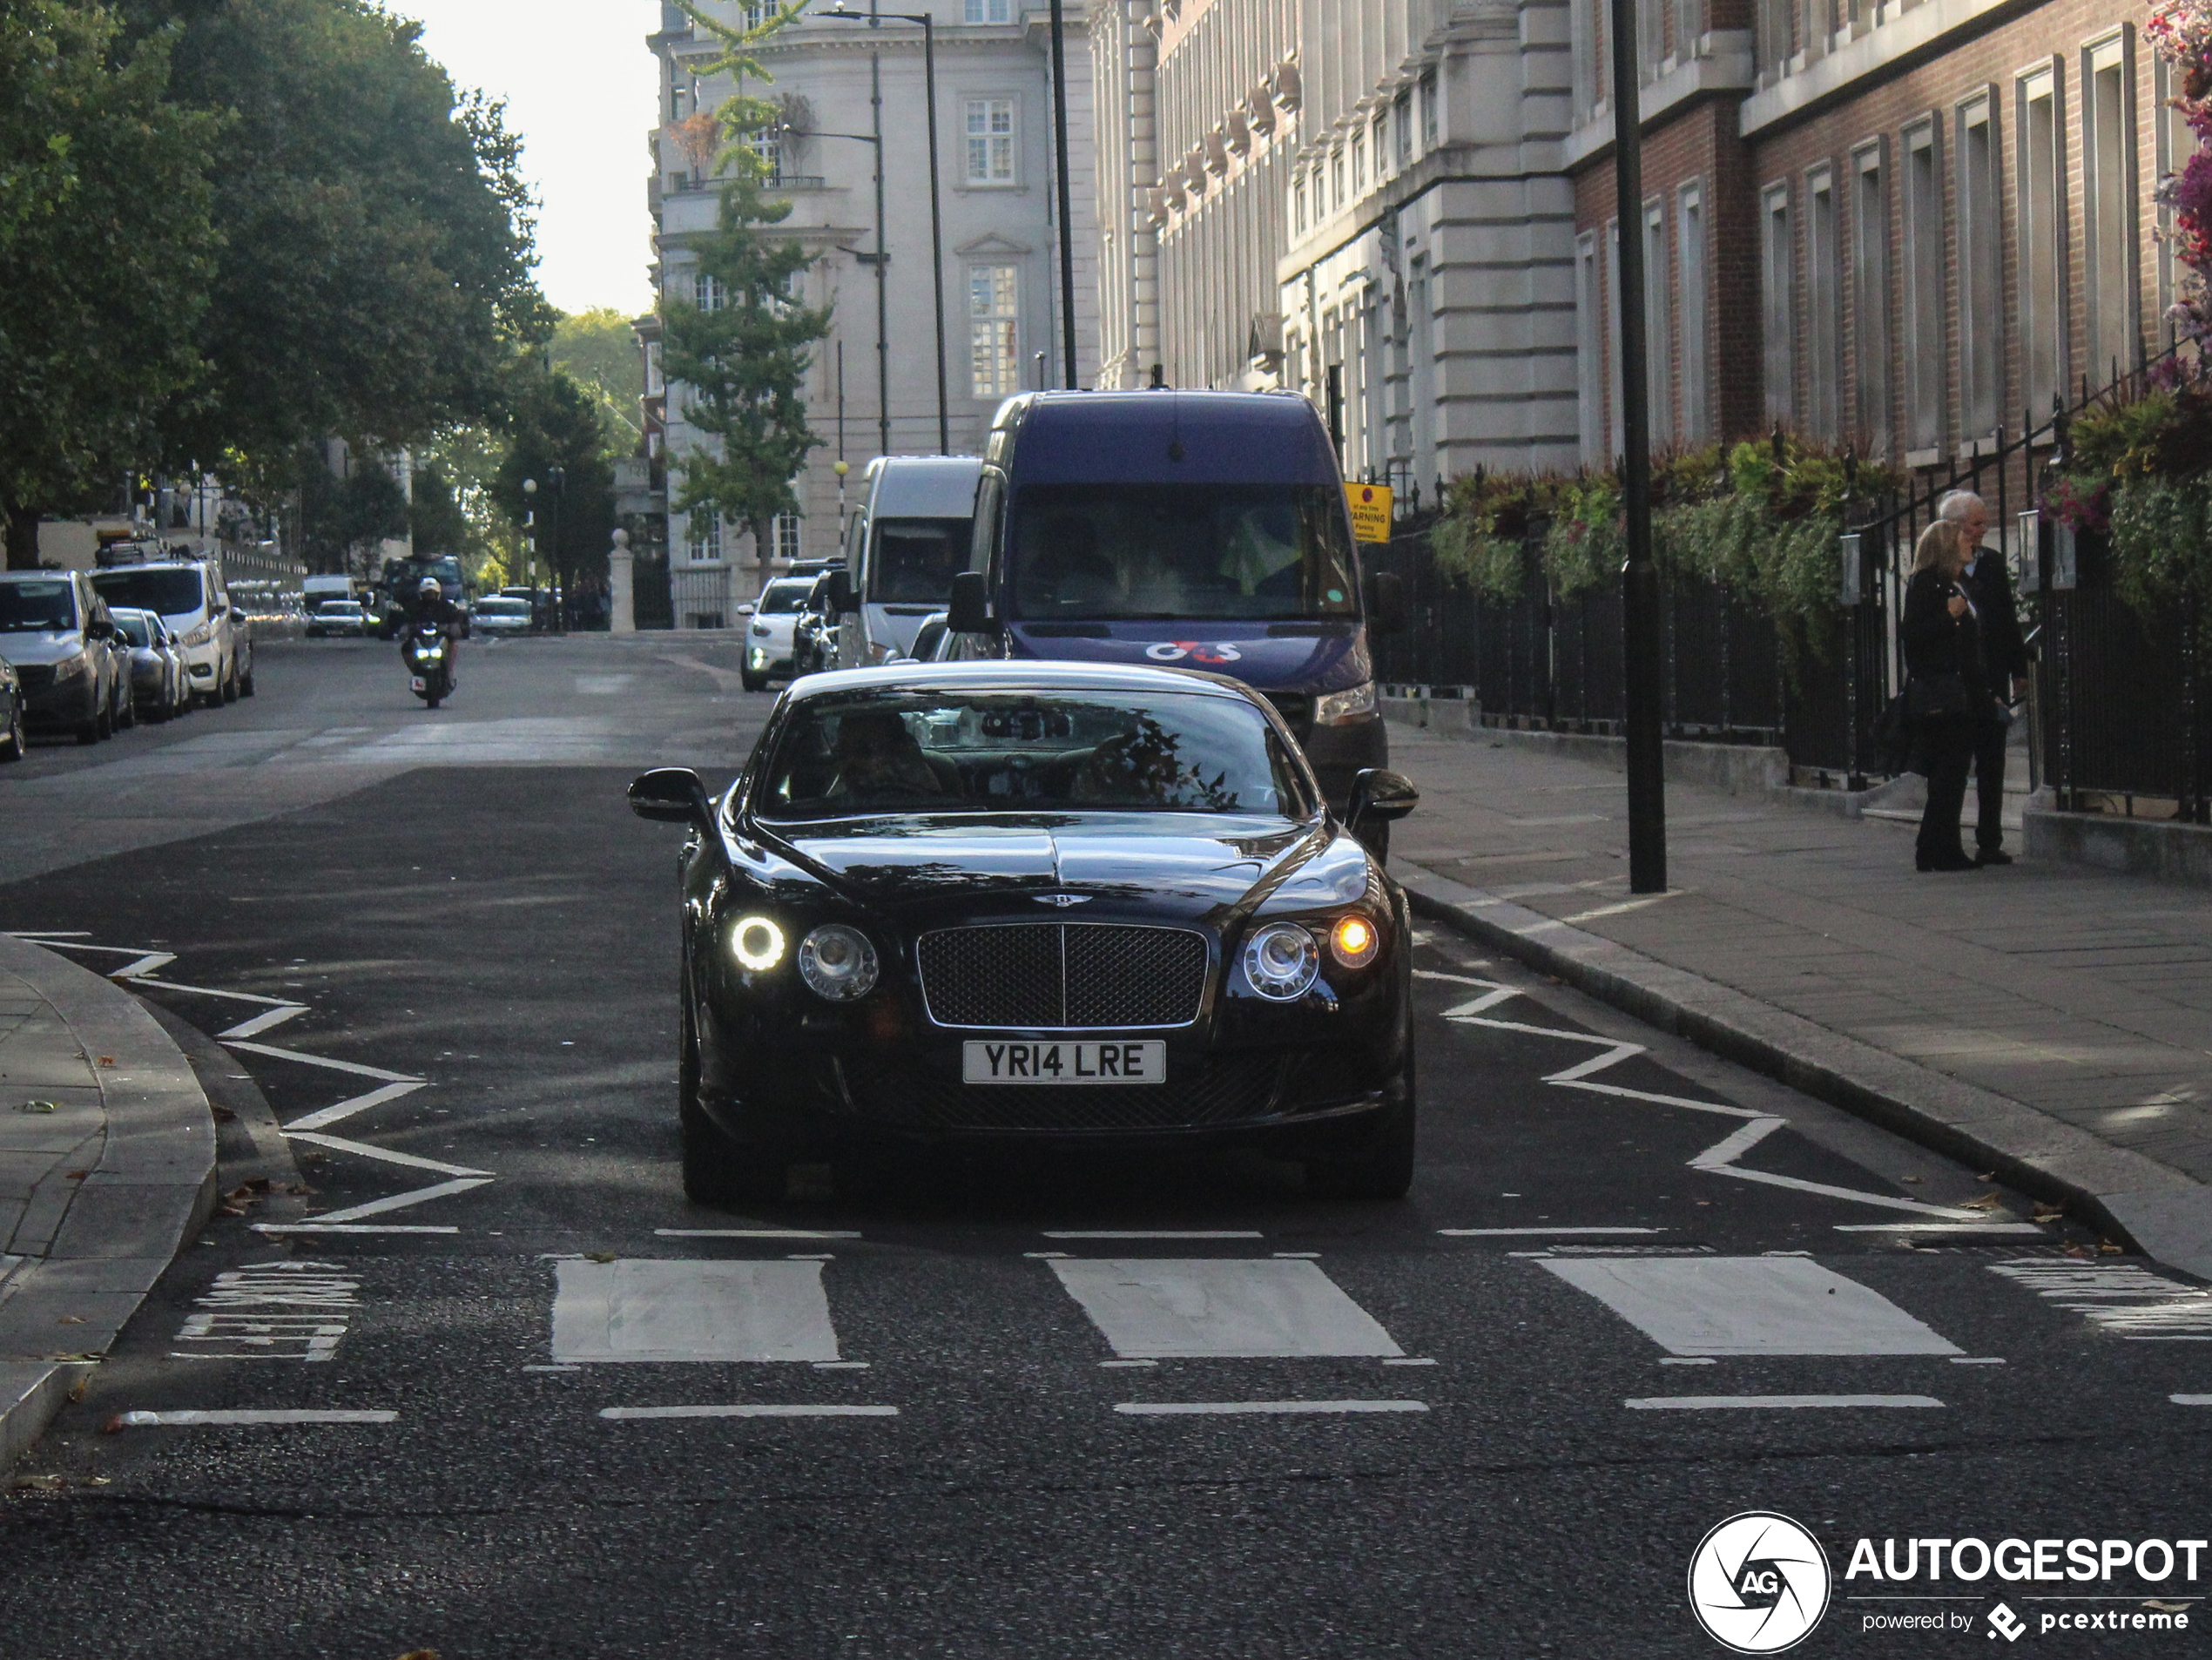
(1936, 643)
(2004, 654)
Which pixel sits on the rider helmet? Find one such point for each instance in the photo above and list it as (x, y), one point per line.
(428, 588)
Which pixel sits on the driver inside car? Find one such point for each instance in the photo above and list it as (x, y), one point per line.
(876, 754)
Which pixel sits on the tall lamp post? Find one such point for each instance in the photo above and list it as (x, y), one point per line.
(1641, 652)
(557, 476)
(530, 542)
(875, 20)
(882, 307)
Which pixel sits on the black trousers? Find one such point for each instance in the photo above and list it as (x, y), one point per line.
(1989, 784)
(1948, 744)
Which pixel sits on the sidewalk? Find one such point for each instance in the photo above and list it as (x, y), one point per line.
(107, 1166)
(2051, 1019)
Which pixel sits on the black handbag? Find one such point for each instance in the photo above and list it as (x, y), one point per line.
(1936, 697)
(1892, 738)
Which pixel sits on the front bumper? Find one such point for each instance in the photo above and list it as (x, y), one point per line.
(50, 701)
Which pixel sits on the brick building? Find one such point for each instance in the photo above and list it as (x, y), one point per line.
(1893, 226)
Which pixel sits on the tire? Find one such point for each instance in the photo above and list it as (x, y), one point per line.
(1380, 1167)
(246, 680)
(432, 702)
(752, 681)
(127, 716)
(230, 683)
(718, 1172)
(14, 746)
(102, 723)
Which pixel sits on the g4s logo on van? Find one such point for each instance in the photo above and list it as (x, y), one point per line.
(1197, 651)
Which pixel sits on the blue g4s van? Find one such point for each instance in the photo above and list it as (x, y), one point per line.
(1193, 530)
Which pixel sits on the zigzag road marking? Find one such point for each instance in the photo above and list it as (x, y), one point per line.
(1720, 1159)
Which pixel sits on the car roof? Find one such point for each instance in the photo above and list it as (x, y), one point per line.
(1038, 674)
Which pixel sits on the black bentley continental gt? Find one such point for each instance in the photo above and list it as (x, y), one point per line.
(1033, 902)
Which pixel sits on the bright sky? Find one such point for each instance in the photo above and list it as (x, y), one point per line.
(580, 91)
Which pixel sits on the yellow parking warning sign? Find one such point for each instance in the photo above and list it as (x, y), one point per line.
(1369, 510)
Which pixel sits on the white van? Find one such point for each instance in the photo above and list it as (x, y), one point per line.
(191, 600)
(903, 549)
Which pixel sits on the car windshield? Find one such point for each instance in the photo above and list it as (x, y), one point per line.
(779, 597)
(171, 589)
(1180, 553)
(502, 607)
(916, 560)
(26, 607)
(340, 608)
(133, 627)
(997, 752)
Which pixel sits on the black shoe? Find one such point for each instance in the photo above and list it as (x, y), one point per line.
(1992, 856)
(1944, 861)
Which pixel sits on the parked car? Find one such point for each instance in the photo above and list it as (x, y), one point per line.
(14, 740)
(933, 642)
(498, 614)
(56, 633)
(865, 963)
(813, 635)
(190, 597)
(770, 622)
(338, 617)
(903, 549)
(160, 687)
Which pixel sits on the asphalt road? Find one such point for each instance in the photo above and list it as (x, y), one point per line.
(455, 951)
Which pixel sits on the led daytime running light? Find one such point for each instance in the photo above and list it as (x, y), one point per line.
(757, 943)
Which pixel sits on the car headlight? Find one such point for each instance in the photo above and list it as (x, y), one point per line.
(838, 962)
(1354, 941)
(1337, 707)
(72, 668)
(757, 943)
(200, 635)
(1281, 960)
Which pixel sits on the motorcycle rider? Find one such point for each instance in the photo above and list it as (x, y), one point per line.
(431, 605)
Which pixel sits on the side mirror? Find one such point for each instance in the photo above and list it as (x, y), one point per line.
(1379, 796)
(1386, 602)
(841, 596)
(968, 611)
(745, 608)
(670, 795)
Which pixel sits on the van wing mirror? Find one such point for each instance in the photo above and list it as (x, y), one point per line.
(1386, 602)
(1379, 796)
(672, 795)
(968, 611)
(841, 596)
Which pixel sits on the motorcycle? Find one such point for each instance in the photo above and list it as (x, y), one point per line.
(428, 655)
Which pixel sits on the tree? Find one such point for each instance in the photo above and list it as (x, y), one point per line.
(598, 349)
(741, 359)
(104, 242)
(436, 522)
(555, 422)
(340, 519)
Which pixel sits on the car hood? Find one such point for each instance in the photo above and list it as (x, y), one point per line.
(1302, 661)
(1191, 867)
(26, 648)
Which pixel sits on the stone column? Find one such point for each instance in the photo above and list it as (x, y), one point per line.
(624, 617)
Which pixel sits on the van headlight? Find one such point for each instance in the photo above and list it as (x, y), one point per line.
(1282, 960)
(838, 962)
(1337, 707)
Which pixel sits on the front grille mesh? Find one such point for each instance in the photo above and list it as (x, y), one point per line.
(35, 677)
(1063, 975)
(1216, 1089)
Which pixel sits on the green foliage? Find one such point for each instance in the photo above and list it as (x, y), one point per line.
(2161, 545)
(2139, 461)
(598, 350)
(1584, 546)
(436, 522)
(104, 244)
(556, 423)
(341, 520)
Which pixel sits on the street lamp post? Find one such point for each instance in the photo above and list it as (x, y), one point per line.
(875, 20)
(558, 476)
(882, 311)
(1059, 167)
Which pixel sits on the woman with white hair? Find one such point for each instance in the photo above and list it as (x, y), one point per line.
(1947, 697)
(2003, 658)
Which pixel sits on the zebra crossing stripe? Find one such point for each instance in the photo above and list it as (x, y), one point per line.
(1755, 1305)
(649, 1310)
(1270, 1307)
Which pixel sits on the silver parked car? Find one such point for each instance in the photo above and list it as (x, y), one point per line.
(497, 614)
(160, 683)
(57, 634)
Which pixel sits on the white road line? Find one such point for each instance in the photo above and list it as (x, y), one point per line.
(338, 1143)
(192, 1420)
(1256, 1308)
(145, 965)
(344, 1227)
(354, 1067)
(1521, 1233)
(1728, 1403)
(1214, 1408)
(1763, 1306)
(211, 991)
(342, 1110)
(261, 1022)
(1406, 1359)
(1977, 1359)
(753, 1233)
(1939, 1227)
(402, 1201)
(1152, 1234)
(1625, 905)
(748, 1410)
(643, 1309)
(2191, 1401)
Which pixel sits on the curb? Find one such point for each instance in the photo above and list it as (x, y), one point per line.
(2157, 1210)
(150, 1190)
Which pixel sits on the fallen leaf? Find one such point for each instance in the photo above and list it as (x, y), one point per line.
(2108, 1247)
(2075, 1251)
(2167, 1607)
(75, 1174)
(224, 1115)
(1987, 1202)
(1986, 1175)
(70, 1319)
(419, 1654)
(107, 1059)
(38, 1106)
(609, 1256)
(1909, 1178)
(230, 1210)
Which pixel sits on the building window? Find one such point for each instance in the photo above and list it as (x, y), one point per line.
(1981, 291)
(1429, 115)
(990, 141)
(703, 533)
(707, 292)
(788, 546)
(1616, 439)
(1589, 368)
(1360, 162)
(1297, 205)
(2177, 143)
(2108, 201)
(1658, 335)
(1824, 308)
(2040, 123)
(990, 10)
(1651, 25)
(1870, 240)
(1776, 313)
(1689, 286)
(1336, 178)
(1924, 271)
(994, 329)
(1382, 145)
(1405, 119)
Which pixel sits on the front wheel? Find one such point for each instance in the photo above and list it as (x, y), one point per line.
(1381, 1167)
(752, 681)
(230, 683)
(13, 743)
(718, 1170)
(246, 680)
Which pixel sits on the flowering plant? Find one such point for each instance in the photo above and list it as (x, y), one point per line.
(2180, 32)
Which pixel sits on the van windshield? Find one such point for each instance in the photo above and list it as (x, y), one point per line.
(171, 590)
(45, 607)
(1176, 552)
(917, 559)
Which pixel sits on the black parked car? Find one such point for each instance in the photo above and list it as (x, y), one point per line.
(1044, 900)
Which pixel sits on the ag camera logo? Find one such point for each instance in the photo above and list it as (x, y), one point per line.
(1758, 1583)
